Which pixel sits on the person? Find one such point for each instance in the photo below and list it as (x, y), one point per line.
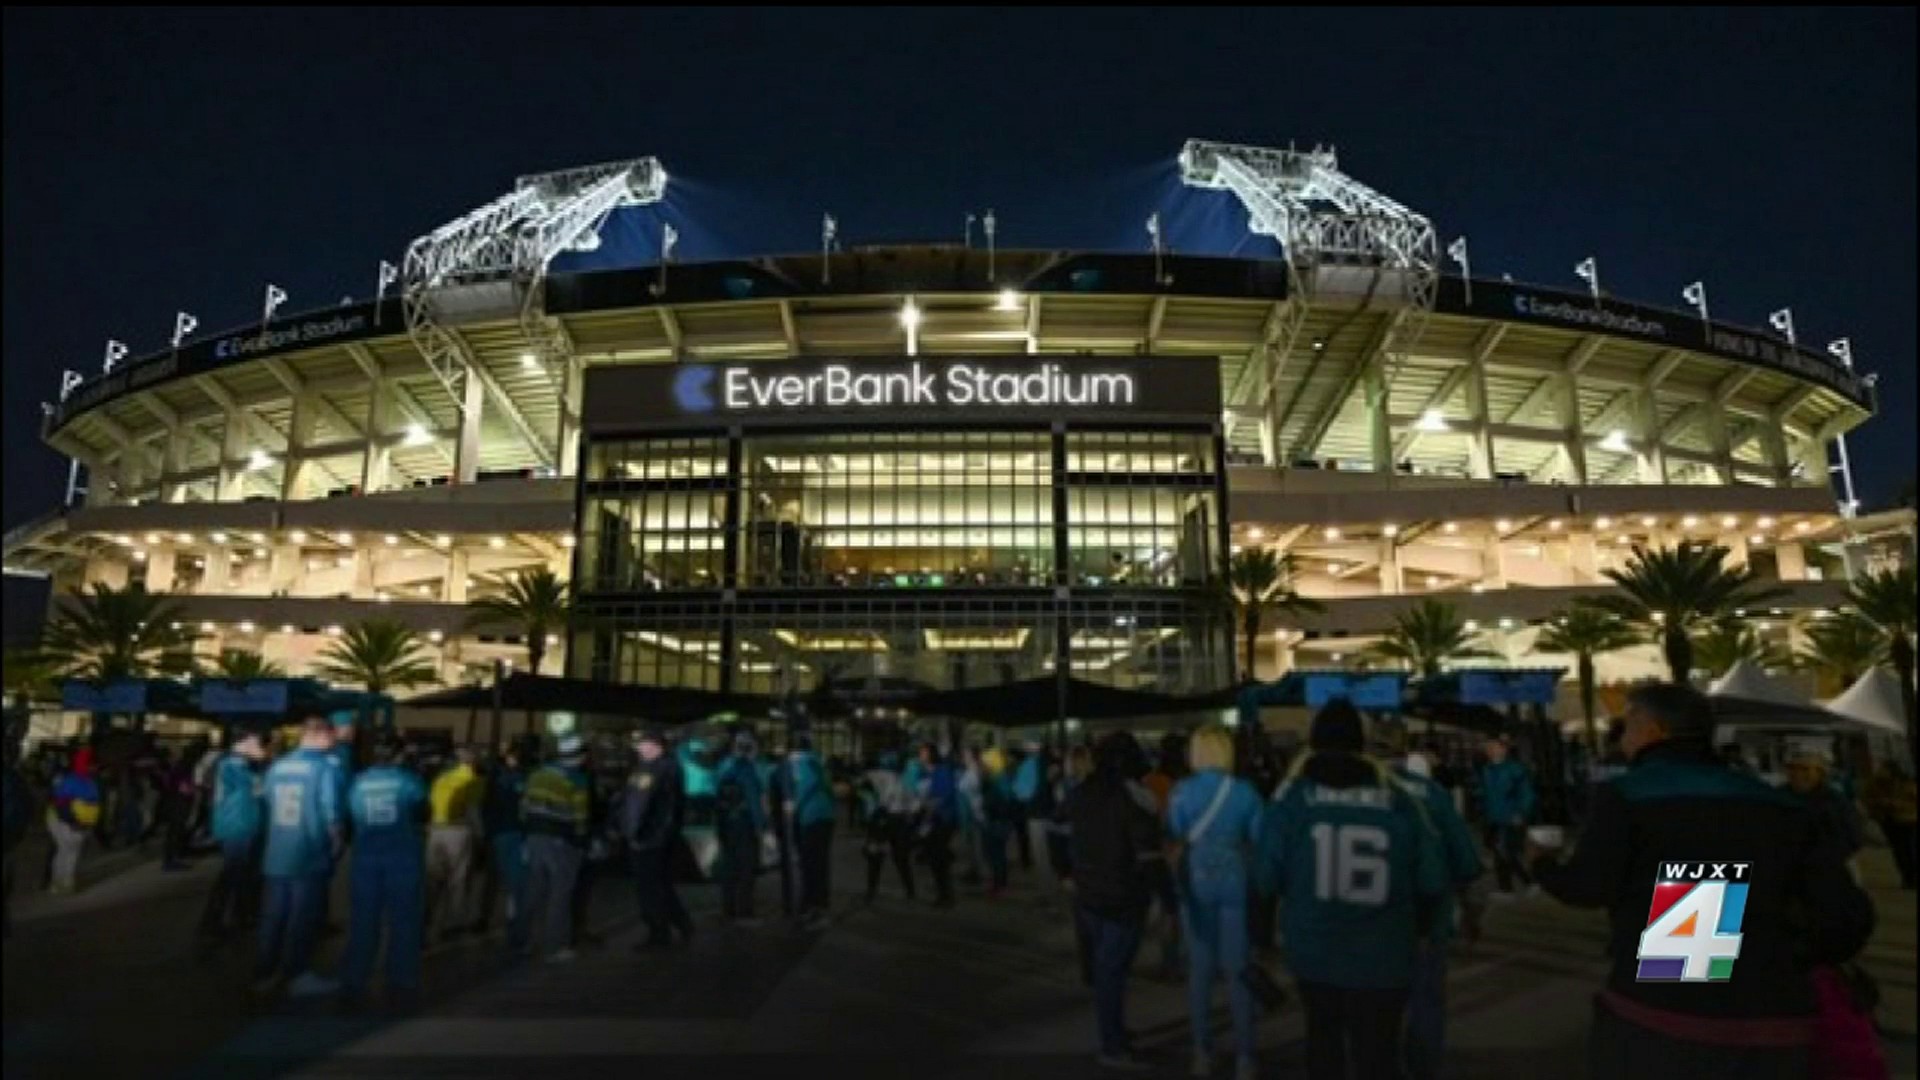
(173, 810)
(1033, 794)
(1213, 819)
(1019, 812)
(1359, 876)
(206, 769)
(238, 822)
(1113, 835)
(801, 787)
(651, 814)
(388, 804)
(305, 836)
(1427, 1003)
(996, 818)
(1169, 768)
(967, 802)
(555, 815)
(1809, 775)
(1890, 798)
(1800, 906)
(455, 801)
(888, 825)
(72, 812)
(1507, 801)
(936, 791)
(506, 840)
(742, 814)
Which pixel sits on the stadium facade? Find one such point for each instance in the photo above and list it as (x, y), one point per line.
(944, 464)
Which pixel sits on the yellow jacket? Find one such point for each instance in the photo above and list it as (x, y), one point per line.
(455, 797)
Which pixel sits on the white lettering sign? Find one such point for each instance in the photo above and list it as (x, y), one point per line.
(840, 386)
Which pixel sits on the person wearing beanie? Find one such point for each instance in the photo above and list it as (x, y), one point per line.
(1359, 871)
(652, 812)
(1802, 911)
(996, 817)
(237, 826)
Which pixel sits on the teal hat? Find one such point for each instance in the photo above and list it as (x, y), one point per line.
(344, 717)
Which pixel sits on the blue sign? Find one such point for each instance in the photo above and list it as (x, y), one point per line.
(122, 696)
(251, 697)
(1378, 692)
(1490, 687)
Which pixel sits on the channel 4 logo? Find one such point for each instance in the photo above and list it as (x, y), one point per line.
(1693, 925)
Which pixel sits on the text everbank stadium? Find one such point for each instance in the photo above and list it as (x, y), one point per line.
(948, 466)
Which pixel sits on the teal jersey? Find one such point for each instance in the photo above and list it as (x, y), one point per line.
(1459, 853)
(1214, 866)
(236, 801)
(304, 813)
(1356, 867)
(388, 803)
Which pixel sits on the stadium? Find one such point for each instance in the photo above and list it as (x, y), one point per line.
(945, 465)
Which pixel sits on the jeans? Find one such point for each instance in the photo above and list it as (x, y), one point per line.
(509, 863)
(553, 864)
(237, 889)
(1361, 1027)
(993, 837)
(1111, 945)
(290, 924)
(1427, 1012)
(1021, 837)
(386, 894)
(1216, 937)
(740, 857)
(816, 858)
(1504, 841)
(660, 906)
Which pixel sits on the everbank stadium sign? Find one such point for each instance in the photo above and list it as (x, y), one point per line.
(285, 337)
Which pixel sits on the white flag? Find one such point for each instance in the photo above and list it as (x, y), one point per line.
(1782, 321)
(1457, 251)
(116, 352)
(1842, 350)
(69, 380)
(275, 297)
(183, 325)
(669, 236)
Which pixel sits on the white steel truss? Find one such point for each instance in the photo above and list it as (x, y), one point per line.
(1322, 218)
(493, 260)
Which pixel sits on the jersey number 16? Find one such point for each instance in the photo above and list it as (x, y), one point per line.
(1350, 864)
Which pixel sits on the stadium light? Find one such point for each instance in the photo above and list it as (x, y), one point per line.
(117, 351)
(1457, 251)
(1696, 294)
(829, 232)
(417, 434)
(987, 224)
(259, 460)
(1009, 300)
(275, 297)
(1431, 420)
(183, 324)
(1589, 272)
(1616, 442)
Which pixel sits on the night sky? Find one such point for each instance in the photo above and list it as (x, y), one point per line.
(164, 161)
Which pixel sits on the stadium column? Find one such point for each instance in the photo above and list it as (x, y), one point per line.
(1652, 455)
(1720, 440)
(283, 568)
(1736, 545)
(377, 462)
(233, 457)
(1573, 446)
(219, 570)
(172, 464)
(160, 562)
(454, 591)
(1379, 424)
(109, 572)
(293, 483)
(569, 441)
(1582, 548)
(1791, 559)
(1812, 455)
(1493, 561)
(1391, 581)
(1480, 461)
(99, 492)
(467, 454)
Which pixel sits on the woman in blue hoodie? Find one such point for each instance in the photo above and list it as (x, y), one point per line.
(1213, 818)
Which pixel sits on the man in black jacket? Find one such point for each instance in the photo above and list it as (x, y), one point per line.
(650, 821)
(1113, 836)
(1676, 805)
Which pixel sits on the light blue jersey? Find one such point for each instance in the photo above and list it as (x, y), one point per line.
(388, 803)
(304, 813)
(1215, 865)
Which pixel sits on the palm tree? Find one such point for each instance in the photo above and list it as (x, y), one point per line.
(1842, 648)
(1673, 592)
(240, 665)
(28, 676)
(1258, 578)
(107, 633)
(379, 654)
(1887, 600)
(535, 603)
(1726, 642)
(1585, 633)
(1426, 636)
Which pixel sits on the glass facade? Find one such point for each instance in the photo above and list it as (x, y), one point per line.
(940, 559)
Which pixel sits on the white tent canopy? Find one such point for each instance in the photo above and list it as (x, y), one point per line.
(1746, 680)
(1873, 701)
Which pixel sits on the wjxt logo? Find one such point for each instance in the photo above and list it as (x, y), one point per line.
(1693, 923)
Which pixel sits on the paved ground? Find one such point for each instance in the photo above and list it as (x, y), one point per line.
(111, 983)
